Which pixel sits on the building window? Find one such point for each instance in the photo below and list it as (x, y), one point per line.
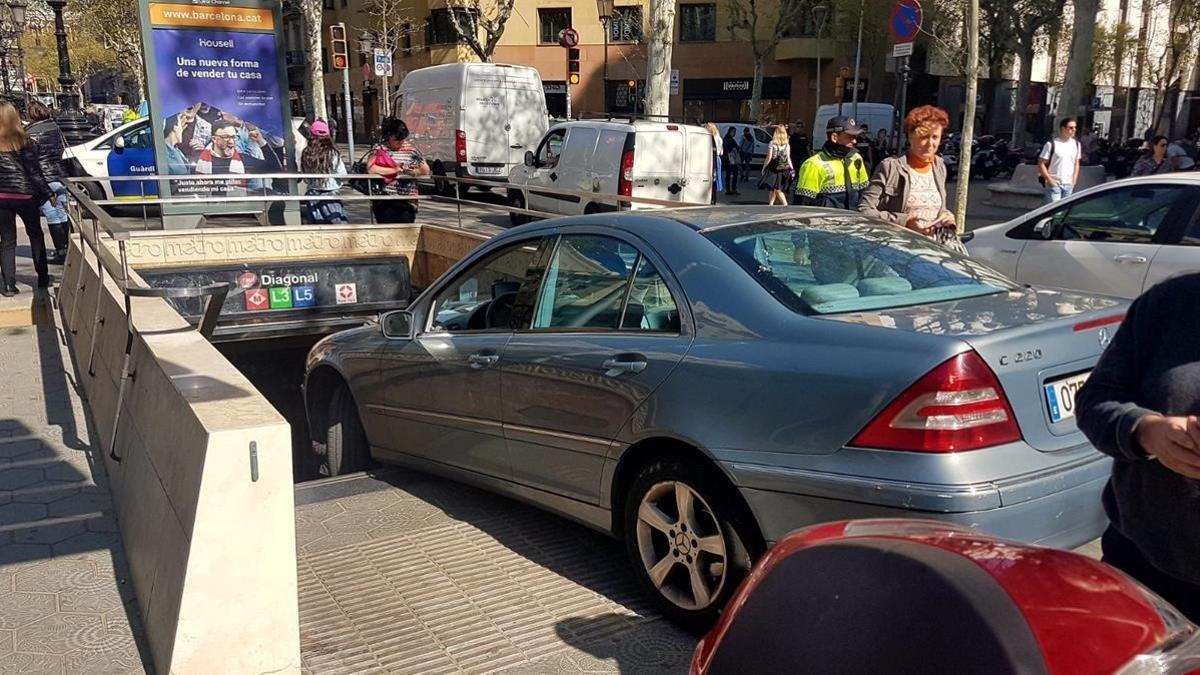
(553, 22)
(626, 24)
(441, 26)
(697, 23)
(406, 32)
(328, 5)
(344, 3)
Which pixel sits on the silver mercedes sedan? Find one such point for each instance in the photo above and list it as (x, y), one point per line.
(699, 382)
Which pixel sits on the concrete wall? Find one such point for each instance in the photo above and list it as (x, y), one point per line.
(211, 551)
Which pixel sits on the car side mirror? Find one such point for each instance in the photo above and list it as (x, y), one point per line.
(1045, 228)
(119, 144)
(530, 159)
(966, 236)
(397, 324)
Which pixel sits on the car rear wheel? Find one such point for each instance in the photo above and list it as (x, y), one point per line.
(690, 538)
(340, 444)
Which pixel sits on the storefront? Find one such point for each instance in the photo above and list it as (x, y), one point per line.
(556, 99)
(728, 100)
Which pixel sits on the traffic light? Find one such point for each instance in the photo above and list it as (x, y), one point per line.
(573, 65)
(337, 46)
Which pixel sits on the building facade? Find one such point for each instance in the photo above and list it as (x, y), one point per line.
(714, 64)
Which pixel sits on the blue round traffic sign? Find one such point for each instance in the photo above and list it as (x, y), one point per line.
(906, 20)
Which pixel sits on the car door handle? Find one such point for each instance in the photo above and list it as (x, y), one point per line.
(483, 360)
(1131, 258)
(624, 363)
(553, 176)
(516, 147)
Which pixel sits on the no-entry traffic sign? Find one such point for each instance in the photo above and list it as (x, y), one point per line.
(569, 38)
(906, 20)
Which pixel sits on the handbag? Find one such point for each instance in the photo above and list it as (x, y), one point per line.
(368, 186)
(948, 237)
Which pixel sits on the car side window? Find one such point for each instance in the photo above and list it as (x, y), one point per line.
(1126, 215)
(585, 283)
(482, 297)
(581, 143)
(762, 136)
(551, 149)
(650, 306)
(139, 138)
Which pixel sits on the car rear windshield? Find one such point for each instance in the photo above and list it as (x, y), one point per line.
(836, 264)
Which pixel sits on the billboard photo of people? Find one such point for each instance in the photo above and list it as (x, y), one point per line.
(217, 99)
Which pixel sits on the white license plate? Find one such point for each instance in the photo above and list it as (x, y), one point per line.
(493, 170)
(1060, 396)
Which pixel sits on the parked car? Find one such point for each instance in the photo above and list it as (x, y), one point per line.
(762, 139)
(128, 150)
(1119, 238)
(473, 120)
(913, 596)
(700, 382)
(635, 158)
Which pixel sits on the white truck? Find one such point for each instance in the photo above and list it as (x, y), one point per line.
(630, 158)
(473, 120)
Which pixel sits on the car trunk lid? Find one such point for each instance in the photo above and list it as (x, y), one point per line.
(1031, 339)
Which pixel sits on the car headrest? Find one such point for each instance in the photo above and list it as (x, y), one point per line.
(500, 288)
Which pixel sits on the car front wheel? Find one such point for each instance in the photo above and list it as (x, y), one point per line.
(517, 201)
(339, 443)
(690, 538)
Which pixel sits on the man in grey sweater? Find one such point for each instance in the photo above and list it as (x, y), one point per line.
(1140, 406)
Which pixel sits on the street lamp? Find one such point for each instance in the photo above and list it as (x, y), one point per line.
(13, 25)
(70, 120)
(820, 13)
(605, 9)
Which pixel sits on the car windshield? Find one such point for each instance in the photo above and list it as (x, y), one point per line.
(836, 264)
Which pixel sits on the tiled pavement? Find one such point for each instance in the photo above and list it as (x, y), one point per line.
(407, 573)
(65, 602)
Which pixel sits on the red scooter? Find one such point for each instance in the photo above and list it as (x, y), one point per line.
(912, 596)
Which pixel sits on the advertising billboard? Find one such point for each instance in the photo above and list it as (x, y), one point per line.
(218, 98)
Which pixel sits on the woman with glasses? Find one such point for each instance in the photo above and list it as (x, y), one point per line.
(1153, 162)
(23, 188)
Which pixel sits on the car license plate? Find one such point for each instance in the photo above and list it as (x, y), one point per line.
(493, 170)
(1060, 396)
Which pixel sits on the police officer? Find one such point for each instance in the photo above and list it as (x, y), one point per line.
(836, 176)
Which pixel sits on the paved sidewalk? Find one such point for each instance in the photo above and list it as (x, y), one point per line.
(66, 605)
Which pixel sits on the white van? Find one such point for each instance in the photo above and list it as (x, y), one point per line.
(762, 139)
(473, 120)
(652, 160)
(875, 115)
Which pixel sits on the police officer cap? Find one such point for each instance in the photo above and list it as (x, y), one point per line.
(843, 125)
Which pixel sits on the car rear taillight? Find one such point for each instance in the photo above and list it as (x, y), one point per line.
(460, 146)
(625, 180)
(957, 406)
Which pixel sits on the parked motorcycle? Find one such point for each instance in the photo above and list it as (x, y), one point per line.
(986, 159)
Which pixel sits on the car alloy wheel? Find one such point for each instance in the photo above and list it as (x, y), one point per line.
(682, 549)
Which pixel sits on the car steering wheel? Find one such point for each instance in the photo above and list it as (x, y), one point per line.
(501, 303)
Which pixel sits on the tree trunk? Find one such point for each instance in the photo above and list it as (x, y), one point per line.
(660, 35)
(1020, 119)
(968, 131)
(314, 84)
(1071, 104)
(756, 91)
